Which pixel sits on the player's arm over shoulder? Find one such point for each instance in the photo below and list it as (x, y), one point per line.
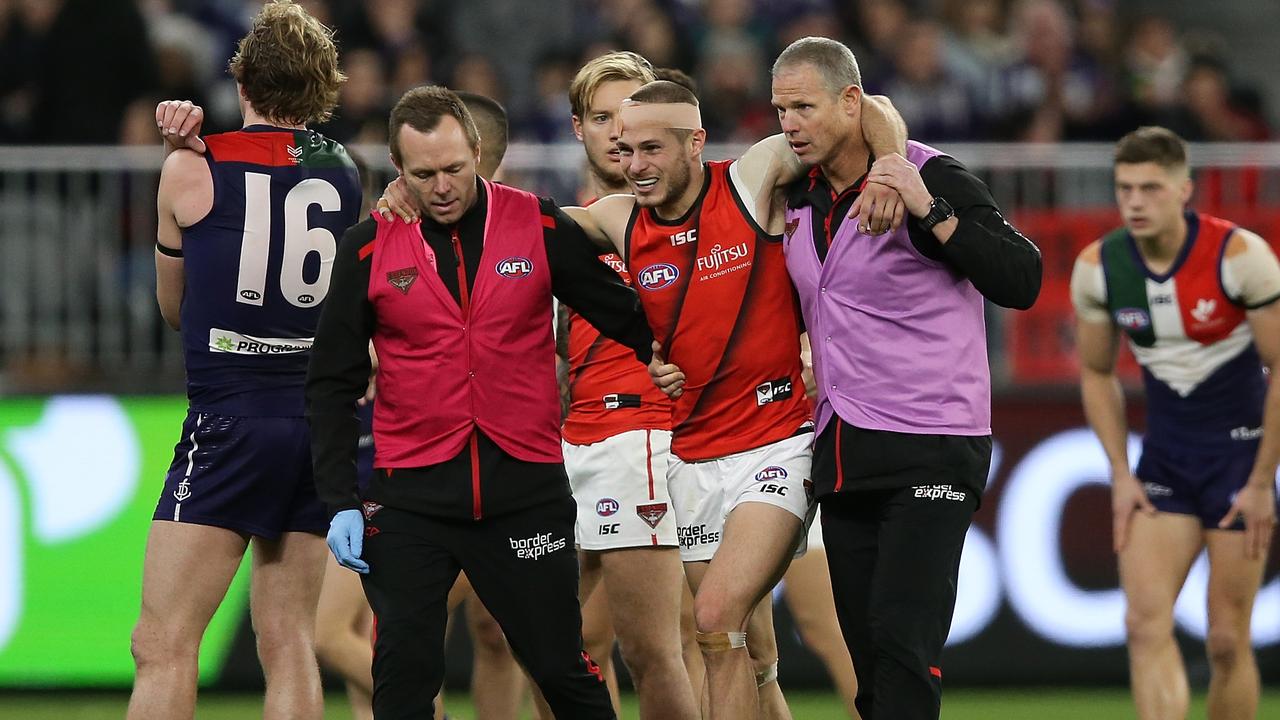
(605, 221)
(184, 197)
(1250, 271)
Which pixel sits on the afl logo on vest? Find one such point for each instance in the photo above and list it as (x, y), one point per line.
(656, 277)
(1133, 318)
(515, 267)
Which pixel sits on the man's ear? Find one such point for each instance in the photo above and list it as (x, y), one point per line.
(577, 127)
(697, 141)
(851, 99)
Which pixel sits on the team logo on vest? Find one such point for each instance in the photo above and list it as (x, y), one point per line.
(1133, 319)
(657, 276)
(773, 390)
(607, 506)
(370, 508)
(295, 154)
(403, 278)
(652, 514)
(1204, 309)
(773, 472)
(791, 227)
(515, 267)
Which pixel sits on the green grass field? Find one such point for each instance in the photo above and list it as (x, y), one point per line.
(1019, 704)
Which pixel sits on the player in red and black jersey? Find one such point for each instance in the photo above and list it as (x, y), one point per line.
(248, 227)
(702, 242)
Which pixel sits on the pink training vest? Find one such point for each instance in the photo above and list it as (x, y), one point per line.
(444, 369)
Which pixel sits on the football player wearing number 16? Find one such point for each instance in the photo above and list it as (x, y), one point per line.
(248, 227)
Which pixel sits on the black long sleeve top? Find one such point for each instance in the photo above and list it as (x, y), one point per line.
(340, 368)
(1000, 261)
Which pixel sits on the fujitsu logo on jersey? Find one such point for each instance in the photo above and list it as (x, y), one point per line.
(657, 276)
(614, 262)
(1133, 318)
(684, 237)
(515, 267)
(722, 256)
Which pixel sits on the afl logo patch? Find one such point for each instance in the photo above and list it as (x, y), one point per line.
(1133, 319)
(606, 507)
(515, 267)
(773, 472)
(658, 276)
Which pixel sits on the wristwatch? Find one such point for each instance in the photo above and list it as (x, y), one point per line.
(939, 211)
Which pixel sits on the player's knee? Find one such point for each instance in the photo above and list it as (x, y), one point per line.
(1225, 646)
(1145, 627)
(152, 645)
(488, 638)
(715, 612)
(279, 640)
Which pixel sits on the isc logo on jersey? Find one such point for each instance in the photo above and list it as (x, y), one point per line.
(657, 276)
(1133, 318)
(684, 238)
(515, 267)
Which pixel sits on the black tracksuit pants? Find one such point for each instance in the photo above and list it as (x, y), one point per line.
(895, 511)
(524, 569)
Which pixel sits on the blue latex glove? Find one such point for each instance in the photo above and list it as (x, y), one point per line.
(346, 540)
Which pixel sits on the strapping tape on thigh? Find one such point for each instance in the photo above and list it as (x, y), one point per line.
(721, 641)
(767, 675)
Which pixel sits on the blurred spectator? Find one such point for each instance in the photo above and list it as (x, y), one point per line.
(936, 101)
(95, 60)
(549, 121)
(977, 29)
(475, 73)
(1051, 92)
(364, 102)
(509, 38)
(1156, 63)
(1217, 112)
(879, 24)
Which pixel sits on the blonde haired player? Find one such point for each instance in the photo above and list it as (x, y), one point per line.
(242, 471)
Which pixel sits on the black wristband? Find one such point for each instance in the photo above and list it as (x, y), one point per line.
(168, 251)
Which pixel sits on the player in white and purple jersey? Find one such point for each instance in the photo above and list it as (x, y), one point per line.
(248, 228)
(1196, 298)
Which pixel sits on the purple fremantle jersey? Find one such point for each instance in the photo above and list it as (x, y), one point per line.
(899, 340)
(257, 267)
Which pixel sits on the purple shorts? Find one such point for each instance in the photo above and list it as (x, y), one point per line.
(247, 474)
(1196, 481)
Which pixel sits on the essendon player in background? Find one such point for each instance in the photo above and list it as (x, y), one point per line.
(702, 242)
(617, 437)
(246, 239)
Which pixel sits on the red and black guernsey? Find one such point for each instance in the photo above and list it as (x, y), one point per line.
(258, 267)
(609, 392)
(715, 289)
(471, 446)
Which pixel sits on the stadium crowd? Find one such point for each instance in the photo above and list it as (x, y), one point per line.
(1018, 70)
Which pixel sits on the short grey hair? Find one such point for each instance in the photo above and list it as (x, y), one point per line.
(833, 60)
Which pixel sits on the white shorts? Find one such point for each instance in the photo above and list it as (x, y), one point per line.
(620, 485)
(704, 493)
(815, 530)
